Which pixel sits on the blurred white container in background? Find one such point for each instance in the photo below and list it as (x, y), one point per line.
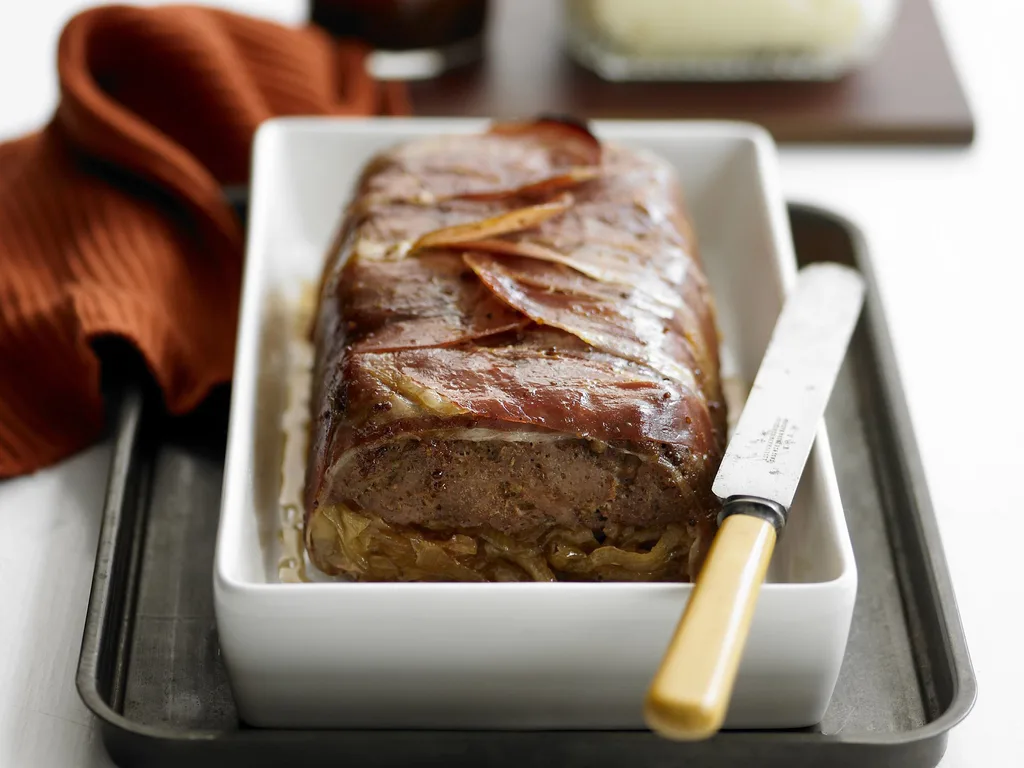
(727, 39)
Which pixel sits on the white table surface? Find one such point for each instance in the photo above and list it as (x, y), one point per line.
(944, 227)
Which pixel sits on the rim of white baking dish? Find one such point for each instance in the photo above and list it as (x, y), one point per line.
(240, 431)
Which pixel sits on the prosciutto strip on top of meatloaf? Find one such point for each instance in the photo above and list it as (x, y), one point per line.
(516, 370)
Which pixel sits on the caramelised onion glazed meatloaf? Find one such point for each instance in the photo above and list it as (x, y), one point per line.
(516, 370)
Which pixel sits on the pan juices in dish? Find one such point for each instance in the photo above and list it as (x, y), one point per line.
(516, 373)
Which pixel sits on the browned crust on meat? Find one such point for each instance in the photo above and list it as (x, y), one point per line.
(554, 413)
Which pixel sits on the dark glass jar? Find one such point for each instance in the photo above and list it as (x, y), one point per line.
(429, 35)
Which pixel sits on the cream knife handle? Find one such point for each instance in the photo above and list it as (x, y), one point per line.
(690, 693)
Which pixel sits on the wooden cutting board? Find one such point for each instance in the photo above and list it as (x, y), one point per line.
(910, 94)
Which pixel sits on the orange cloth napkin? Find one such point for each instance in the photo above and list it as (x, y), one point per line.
(112, 219)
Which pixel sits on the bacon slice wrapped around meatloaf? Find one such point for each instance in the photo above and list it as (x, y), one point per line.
(516, 370)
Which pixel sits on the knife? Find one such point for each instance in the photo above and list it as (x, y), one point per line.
(756, 481)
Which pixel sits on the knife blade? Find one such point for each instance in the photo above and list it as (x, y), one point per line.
(769, 447)
(756, 482)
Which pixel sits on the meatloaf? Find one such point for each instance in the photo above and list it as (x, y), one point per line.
(516, 372)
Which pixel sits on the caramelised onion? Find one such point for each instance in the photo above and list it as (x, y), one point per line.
(512, 221)
(365, 547)
(640, 562)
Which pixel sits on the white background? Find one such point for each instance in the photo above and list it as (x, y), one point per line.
(944, 227)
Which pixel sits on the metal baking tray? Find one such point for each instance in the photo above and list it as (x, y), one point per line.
(151, 669)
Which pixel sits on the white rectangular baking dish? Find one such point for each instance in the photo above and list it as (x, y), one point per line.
(503, 655)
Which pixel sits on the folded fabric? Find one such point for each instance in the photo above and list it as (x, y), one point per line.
(113, 220)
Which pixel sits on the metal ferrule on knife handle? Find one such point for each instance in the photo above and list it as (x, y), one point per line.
(769, 511)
